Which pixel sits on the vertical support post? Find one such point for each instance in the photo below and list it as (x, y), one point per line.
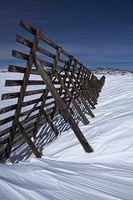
(22, 94)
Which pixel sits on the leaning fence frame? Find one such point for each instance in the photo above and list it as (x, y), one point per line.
(76, 85)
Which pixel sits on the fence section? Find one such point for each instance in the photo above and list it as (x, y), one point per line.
(52, 82)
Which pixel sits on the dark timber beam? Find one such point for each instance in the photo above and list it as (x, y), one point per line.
(22, 95)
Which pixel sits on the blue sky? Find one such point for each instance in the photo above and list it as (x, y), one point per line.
(97, 32)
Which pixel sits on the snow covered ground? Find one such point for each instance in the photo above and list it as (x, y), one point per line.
(66, 172)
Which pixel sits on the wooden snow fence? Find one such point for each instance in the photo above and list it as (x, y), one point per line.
(56, 80)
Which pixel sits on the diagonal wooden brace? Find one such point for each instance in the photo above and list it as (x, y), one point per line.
(29, 141)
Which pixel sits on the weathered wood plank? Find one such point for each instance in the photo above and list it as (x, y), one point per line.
(19, 69)
(17, 94)
(8, 108)
(20, 82)
(20, 55)
(28, 27)
(48, 41)
(6, 120)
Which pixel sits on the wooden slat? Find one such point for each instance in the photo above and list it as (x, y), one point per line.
(48, 41)
(28, 27)
(20, 55)
(24, 41)
(8, 108)
(18, 69)
(20, 82)
(27, 103)
(6, 120)
(65, 53)
(45, 52)
(17, 94)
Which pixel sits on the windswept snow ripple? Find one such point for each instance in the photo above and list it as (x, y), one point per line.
(66, 172)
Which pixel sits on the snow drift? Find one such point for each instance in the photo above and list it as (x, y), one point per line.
(66, 172)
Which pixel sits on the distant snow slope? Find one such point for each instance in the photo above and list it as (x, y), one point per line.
(66, 172)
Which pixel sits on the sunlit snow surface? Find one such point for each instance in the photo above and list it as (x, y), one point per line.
(67, 172)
